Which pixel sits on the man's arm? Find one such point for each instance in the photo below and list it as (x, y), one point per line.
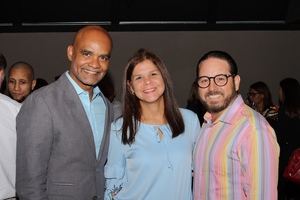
(34, 140)
(263, 154)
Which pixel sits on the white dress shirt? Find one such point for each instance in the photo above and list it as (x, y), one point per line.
(8, 112)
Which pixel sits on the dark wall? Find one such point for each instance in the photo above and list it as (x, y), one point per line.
(261, 55)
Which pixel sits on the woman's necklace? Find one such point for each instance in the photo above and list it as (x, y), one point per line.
(159, 134)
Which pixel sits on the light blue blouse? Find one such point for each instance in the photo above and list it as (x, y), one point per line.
(150, 168)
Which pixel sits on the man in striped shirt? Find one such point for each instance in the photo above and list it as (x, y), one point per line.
(236, 155)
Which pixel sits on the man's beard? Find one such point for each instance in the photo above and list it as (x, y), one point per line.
(18, 100)
(21, 100)
(216, 108)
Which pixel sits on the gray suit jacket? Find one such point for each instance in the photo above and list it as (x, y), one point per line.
(56, 156)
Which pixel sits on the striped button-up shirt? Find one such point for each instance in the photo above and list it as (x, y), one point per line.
(236, 156)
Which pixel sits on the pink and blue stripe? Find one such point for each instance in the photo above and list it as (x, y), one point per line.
(236, 157)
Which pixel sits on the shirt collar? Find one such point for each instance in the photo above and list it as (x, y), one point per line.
(79, 90)
(231, 109)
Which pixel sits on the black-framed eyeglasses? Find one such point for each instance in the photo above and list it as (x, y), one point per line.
(220, 80)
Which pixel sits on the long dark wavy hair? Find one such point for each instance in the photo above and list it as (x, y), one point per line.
(131, 104)
(290, 88)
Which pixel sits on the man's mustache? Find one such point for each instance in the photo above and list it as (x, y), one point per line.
(213, 93)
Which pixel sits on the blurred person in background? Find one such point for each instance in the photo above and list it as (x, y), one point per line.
(20, 81)
(260, 99)
(194, 104)
(288, 133)
(3, 65)
(40, 82)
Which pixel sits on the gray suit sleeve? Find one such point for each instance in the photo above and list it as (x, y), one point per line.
(34, 139)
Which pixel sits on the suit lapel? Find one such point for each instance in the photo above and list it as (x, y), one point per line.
(78, 113)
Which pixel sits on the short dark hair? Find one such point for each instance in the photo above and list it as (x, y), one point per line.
(221, 55)
(24, 64)
(3, 62)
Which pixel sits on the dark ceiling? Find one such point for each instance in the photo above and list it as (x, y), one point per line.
(154, 15)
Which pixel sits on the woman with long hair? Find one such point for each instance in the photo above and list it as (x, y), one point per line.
(288, 132)
(260, 99)
(150, 155)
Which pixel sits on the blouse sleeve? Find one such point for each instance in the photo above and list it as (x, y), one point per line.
(192, 126)
(114, 170)
(196, 129)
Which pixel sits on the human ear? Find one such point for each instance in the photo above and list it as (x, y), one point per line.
(33, 84)
(130, 88)
(70, 52)
(237, 80)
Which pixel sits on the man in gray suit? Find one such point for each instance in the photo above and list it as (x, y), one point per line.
(63, 128)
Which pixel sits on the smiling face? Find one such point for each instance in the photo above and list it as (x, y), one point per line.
(217, 98)
(147, 83)
(89, 56)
